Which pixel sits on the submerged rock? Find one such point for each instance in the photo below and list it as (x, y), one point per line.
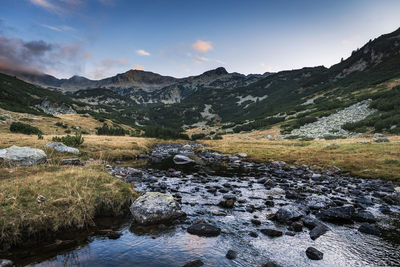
(271, 232)
(23, 156)
(195, 263)
(318, 230)
(6, 263)
(154, 208)
(231, 254)
(60, 147)
(203, 229)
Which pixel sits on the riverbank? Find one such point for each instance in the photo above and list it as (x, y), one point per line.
(360, 156)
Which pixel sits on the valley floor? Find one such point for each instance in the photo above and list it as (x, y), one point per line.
(48, 197)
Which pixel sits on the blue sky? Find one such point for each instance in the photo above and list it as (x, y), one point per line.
(99, 38)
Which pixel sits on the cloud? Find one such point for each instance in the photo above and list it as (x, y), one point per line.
(87, 54)
(142, 52)
(138, 67)
(46, 4)
(108, 66)
(202, 46)
(17, 55)
(62, 28)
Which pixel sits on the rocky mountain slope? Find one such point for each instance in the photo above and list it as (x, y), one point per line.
(233, 101)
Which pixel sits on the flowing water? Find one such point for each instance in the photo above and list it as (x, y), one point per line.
(200, 189)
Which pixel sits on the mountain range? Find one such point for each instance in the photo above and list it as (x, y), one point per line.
(216, 97)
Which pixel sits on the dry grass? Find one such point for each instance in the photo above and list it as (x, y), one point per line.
(47, 124)
(40, 199)
(373, 160)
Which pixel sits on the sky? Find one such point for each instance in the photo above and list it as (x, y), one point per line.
(100, 38)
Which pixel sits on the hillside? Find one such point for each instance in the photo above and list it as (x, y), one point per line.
(232, 101)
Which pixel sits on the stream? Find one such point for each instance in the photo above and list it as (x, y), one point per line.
(259, 191)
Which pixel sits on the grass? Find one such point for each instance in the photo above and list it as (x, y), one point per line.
(41, 199)
(372, 160)
(72, 196)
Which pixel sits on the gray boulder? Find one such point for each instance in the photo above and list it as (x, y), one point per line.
(23, 156)
(154, 208)
(182, 159)
(288, 214)
(60, 147)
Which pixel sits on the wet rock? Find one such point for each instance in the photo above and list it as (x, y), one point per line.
(154, 208)
(255, 222)
(270, 264)
(60, 147)
(270, 203)
(367, 228)
(72, 161)
(23, 156)
(227, 203)
(288, 214)
(364, 216)
(290, 233)
(203, 229)
(182, 160)
(253, 234)
(297, 226)
(318, 230)
(195, 263)
(338, 214)
(6, 263)
(271, 232)
(231, 254)
(314, 254)
(317, 202)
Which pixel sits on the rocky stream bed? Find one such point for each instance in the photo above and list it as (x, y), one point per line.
(227, 211)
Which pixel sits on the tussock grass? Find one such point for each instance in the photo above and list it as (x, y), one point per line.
(41, 199)
(372, 160)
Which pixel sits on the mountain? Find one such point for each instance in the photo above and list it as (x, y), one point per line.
(232, 101)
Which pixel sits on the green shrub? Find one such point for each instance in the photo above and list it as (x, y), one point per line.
(60, 124)
(198, 136)
(217, 137)
(19, 127)
(164, 133)
(69, 140)
(68, 131)
(110, 130)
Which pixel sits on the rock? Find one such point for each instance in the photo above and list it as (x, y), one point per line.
(231, 254)
(270, 264)
(195, 263)
(288, 213)
(182, 159)
(6, 263)
(271, 232)
(364, 216)
(72, 161)
(310, 222)
(227, 203)
(318, 230)
(255, 222)
(203, 229)
(60, 147)
(242, 155)
(23, 156)
(317, 202)
(382, 139)
(154, 208)
(297, 226)
(314, 254)
(338, 214)
(253, 234)
(367, 228)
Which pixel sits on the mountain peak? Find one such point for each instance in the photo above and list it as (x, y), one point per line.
(217, 71)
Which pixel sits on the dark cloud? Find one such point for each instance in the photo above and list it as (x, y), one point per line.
(39, 56)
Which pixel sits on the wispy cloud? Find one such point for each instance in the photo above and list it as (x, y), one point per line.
(202, 46)
(46, 4)
(142, 52)
(269, 68)
(61, 28)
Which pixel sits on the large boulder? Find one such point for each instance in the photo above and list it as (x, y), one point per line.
(154, 208)
(23, 156)
(60, 147)
(182, 159)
